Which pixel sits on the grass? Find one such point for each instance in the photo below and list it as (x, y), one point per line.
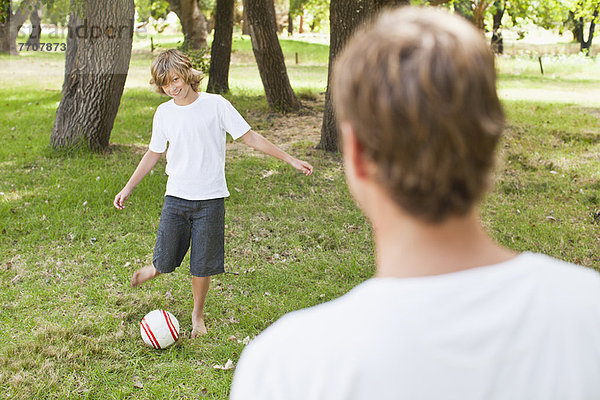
(69, 320)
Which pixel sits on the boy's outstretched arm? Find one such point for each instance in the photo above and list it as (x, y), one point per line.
(146, 164)
(257, 141)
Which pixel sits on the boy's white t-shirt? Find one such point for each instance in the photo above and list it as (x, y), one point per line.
(528, 329)
(196, 135)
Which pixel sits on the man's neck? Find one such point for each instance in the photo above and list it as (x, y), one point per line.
(406, 247)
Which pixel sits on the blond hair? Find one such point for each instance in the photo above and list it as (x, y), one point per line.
(419, 89)
(171, 62)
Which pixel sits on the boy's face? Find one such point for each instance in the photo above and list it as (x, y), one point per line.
(177, 88)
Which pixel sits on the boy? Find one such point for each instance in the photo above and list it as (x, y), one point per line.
(194, 125)
(450, 314)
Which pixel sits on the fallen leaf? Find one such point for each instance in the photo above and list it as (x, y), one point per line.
(228, 365)
(137, 383)
(268, 173)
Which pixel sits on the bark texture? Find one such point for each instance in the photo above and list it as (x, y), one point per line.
(269, 56)
(11, 20)
(497, 41)
(345, 16)
(245, 24)
(97, 60)
(378, 4)
(220, 53)
(586, 45)
(36, 26)
(193, 23)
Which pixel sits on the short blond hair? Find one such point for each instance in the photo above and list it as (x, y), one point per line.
(418, 87)
(171, 62)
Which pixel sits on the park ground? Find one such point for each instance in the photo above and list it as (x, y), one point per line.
(69, 322)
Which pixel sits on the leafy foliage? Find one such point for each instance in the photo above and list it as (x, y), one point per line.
(156, 9)
(4, 10)
(56, 12)
(200, 58)
(318, 10)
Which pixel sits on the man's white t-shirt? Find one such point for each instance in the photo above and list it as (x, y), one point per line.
(196, 135)
(528, 329)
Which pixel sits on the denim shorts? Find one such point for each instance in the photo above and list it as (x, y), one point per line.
(200, 223)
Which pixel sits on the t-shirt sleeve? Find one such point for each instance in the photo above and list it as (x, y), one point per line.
(158, 142)
(232, 121)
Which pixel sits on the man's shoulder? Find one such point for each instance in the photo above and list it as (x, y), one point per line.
(559, 272)
(572, 288)
(314, 324)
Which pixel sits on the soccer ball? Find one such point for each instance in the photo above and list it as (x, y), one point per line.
(159, 329)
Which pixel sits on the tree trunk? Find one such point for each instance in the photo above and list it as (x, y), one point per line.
(193, 23)
(379, 4)
(576, 25)
(220, 53)
(7, 41)
(481, 7)
(245, 24)
(345, 16)
(36, 26)
(290, 24)
(10, 23)
(497, 41)
(96, 64)
(269, 56)
(586, 45)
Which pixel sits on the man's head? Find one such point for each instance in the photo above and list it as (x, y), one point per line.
(171, 66)
(416, 91)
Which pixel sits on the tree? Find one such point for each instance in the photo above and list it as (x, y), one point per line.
(152, 10)
(269, 56)
(571, 14)
(317, 9)
(518, 11)
(220, 53)
(473, 10)
(36, 26)
(97, 59)
(378, 4)
(12, 17)
(579, 28)
(193, 23)
(345, 16)
(56, 12)
(497, 14)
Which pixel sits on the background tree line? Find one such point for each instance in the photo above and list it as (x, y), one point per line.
(95, 70)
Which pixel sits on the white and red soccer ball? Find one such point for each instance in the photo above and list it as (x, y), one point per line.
(159, 329)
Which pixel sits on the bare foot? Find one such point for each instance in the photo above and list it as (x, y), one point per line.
(198, 327)
(143, 274)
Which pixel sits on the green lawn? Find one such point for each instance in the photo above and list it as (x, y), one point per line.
(69, 321)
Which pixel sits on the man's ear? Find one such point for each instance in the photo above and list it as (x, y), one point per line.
(353, 151)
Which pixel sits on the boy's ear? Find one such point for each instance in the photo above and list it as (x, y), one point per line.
(353, 152)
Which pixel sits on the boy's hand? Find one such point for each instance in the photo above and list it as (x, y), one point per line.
(302, 166)
(121, 198)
